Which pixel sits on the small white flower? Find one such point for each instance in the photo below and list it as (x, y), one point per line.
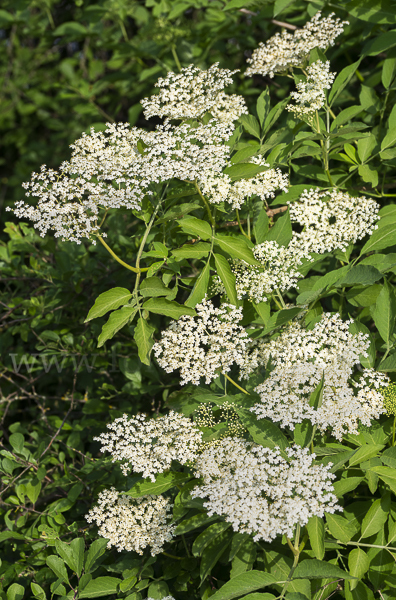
(149, 446)
(205, 345)
(133, 523)
(284, 50)
(310, 96)
(261, 493)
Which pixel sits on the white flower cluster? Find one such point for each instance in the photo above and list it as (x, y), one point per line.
(284, 50)
(205, 345)
(300, 357)
(310, 96)
(149, 446)
(332, 219)
(116, 168)
(192, 93)
(220, 188)
(279, 271)
(261, 493)
(133, 523)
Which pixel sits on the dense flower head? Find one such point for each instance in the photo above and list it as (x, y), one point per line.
(218, 188)
(332, 219)
(300, 357)
(227, 416)
(279, 271)
(148, 446)
(133, 523)
(117, 168)
(310, 95)
(261, 493)
(204, 345)
(192, 93)
(283, 51)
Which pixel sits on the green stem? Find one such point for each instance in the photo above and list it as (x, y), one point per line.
(124, 31)
(177, 61)
(360, 544)
(172, 556)
(236, 385)
(296, 553)
(211, 219)
(142, 244)
(240, 224)
(281, 299)
(119, 260)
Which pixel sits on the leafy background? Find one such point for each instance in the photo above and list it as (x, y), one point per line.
(65, 67)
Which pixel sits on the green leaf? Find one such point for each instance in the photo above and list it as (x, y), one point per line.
(17, 441)
(199, 250)
(71, 28)
(388, 365)
(117, 320)
(264, 311)
(317, 569)
(263, 106)
(196, 227)
(368, 174)
(261, 226)
(200, 287)
(101, 586)
(389, 70)
(244, 559)
(281, 232)
(110, 300)
(381, 43)
(15, 592)
(388, 457)
(153, 286)
(380, 239)
(227, 277)
(374, 11)
(358, 563)
(344, 486)
(143, 336)
(244, 170)
(72, 554)
(360, 275)
(158, 590)
(251, 125)
(263, 431)
(316, 531)
(274, 114)
(236, 247)
(243, 584)
(366, 146)
(169, 308)
(38, 591)
(58, 567)
(194, 522)
(376, 517)
(340, 528)
(213, 552)
(96, 550)
(207, 536)
(364, 453)
(162, 483)
(342, 80)
(384, 313)
(281, 317)
(388, 475)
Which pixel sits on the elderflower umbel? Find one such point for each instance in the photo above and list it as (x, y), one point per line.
(149, 446)
(300, 357)
(284, 50)
(332, 219)
(310, 96)
(117, 168)
(204, 345)
(261, 493)
(192, 93)
(279, 271)
(389, 395)
(133, 523)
